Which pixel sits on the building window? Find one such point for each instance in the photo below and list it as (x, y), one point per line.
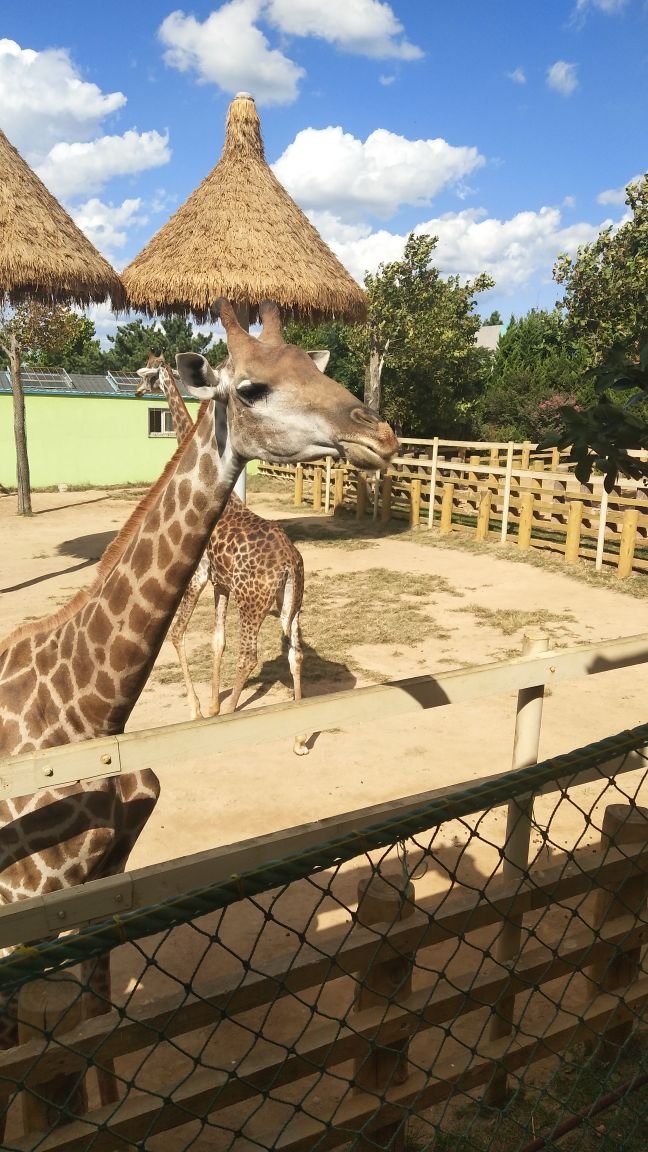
(160, 422)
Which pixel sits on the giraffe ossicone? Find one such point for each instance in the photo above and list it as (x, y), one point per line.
(78, 673)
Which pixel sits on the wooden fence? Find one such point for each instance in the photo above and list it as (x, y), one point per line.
(393, 1014)
(504, 492)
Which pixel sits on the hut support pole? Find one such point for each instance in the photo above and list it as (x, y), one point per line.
(23, 486)
(242, 312)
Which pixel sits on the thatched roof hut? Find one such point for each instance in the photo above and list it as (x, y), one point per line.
(241, 236)
(42, 252)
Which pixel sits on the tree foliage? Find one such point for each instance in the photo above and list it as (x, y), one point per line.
(421, 331)
(606, 288)
(132, 343)
(536, 369)
(53, 336)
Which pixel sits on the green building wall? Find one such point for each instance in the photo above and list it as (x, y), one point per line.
(79, 440)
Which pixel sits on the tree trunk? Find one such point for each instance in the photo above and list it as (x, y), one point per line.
(23, 489)
(372, 395)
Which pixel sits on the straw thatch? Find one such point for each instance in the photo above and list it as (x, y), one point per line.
(241, 236)
(42, 252)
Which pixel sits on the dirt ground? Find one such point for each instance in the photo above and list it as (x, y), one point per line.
(475, 611)
(382, 607)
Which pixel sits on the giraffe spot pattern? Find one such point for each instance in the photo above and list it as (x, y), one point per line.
(143, 557)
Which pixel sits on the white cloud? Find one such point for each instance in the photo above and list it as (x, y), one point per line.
(227, 49)
(331, 169)
(561, 77)
(386, 80)
(106, 224)
(518, 76)
(515, 252)
(617, 195)
(365, 27)
(73, 169)
(610, 7)
(43, 99)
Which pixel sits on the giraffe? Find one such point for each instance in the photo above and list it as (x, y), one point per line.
(247, 557)
(78, 673)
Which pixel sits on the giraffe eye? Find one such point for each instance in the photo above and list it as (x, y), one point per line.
(252, 393)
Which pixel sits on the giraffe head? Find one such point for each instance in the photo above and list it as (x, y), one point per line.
(150, 375)
(280, 405)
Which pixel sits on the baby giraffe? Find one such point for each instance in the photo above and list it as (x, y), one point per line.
(247, 557)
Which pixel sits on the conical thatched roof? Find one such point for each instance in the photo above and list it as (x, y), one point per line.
(42, 252)
(241, 236)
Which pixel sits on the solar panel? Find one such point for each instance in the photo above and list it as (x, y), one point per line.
(124, 381)
(45, 378)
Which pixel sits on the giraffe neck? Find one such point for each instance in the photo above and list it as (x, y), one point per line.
(78, 674)
(182, 422)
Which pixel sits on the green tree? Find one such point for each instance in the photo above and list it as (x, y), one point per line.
(132, 343)
(606, 287)
(606, 284)
(494, 318)
(536, 369)
(424, 369)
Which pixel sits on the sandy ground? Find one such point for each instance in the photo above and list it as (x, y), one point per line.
(237, 796)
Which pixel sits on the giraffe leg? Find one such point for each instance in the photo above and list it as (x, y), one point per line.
(221, 600)
(178, 633)
(296, 659)
(248, 653)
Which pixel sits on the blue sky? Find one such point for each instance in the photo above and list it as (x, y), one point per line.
(509, 129)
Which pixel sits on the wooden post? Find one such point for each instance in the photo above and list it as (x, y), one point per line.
(623, 824)
(525, 523)
(472, 476)
(525, 455)
(493, 457)
(572, 541)
(317, 488)
(506, 500)
(415, 502)
(376, 495)
(483, 516)
(338, 489)
(327, 486)
(361, 495)
(52, 1004)
(445, 526)
(385, 506)
(600, 540)
(628, 541)
(433, 479)
(299, 486)
(516, 854)
(380, 984)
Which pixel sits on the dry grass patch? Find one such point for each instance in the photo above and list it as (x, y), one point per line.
(341, 612)
(511, 620)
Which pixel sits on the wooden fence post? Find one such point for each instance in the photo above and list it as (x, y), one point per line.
(338, 489)
(525, 522)
(385, 506)
(623, 824)
(317, 488)
(600, 539)
(361, 495)
(52, 1004)
(445, 525)
(525, 455)
(415, 502)
(628, 541)
(516, 854)
(506, 497)
(327, 485)
(299, 486)
(572, 540)
(483, 516)
(380, 984)
(376, 495)
(433, 479)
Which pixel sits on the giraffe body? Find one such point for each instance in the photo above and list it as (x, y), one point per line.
(248, 558)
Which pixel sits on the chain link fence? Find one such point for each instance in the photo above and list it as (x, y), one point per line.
(468, 976)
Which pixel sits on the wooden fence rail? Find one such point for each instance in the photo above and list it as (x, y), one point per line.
(499, 492)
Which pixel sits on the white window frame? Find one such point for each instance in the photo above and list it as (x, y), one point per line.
(166, 422)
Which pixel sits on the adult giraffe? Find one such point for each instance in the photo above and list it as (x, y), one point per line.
(247, 557)
(78, 673)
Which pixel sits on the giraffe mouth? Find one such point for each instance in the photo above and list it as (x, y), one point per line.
(366, 456)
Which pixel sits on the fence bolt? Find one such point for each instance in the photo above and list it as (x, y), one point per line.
(47, 771)
(106, 758)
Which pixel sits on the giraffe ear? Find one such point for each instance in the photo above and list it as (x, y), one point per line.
(320, 358)
(199, 378)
